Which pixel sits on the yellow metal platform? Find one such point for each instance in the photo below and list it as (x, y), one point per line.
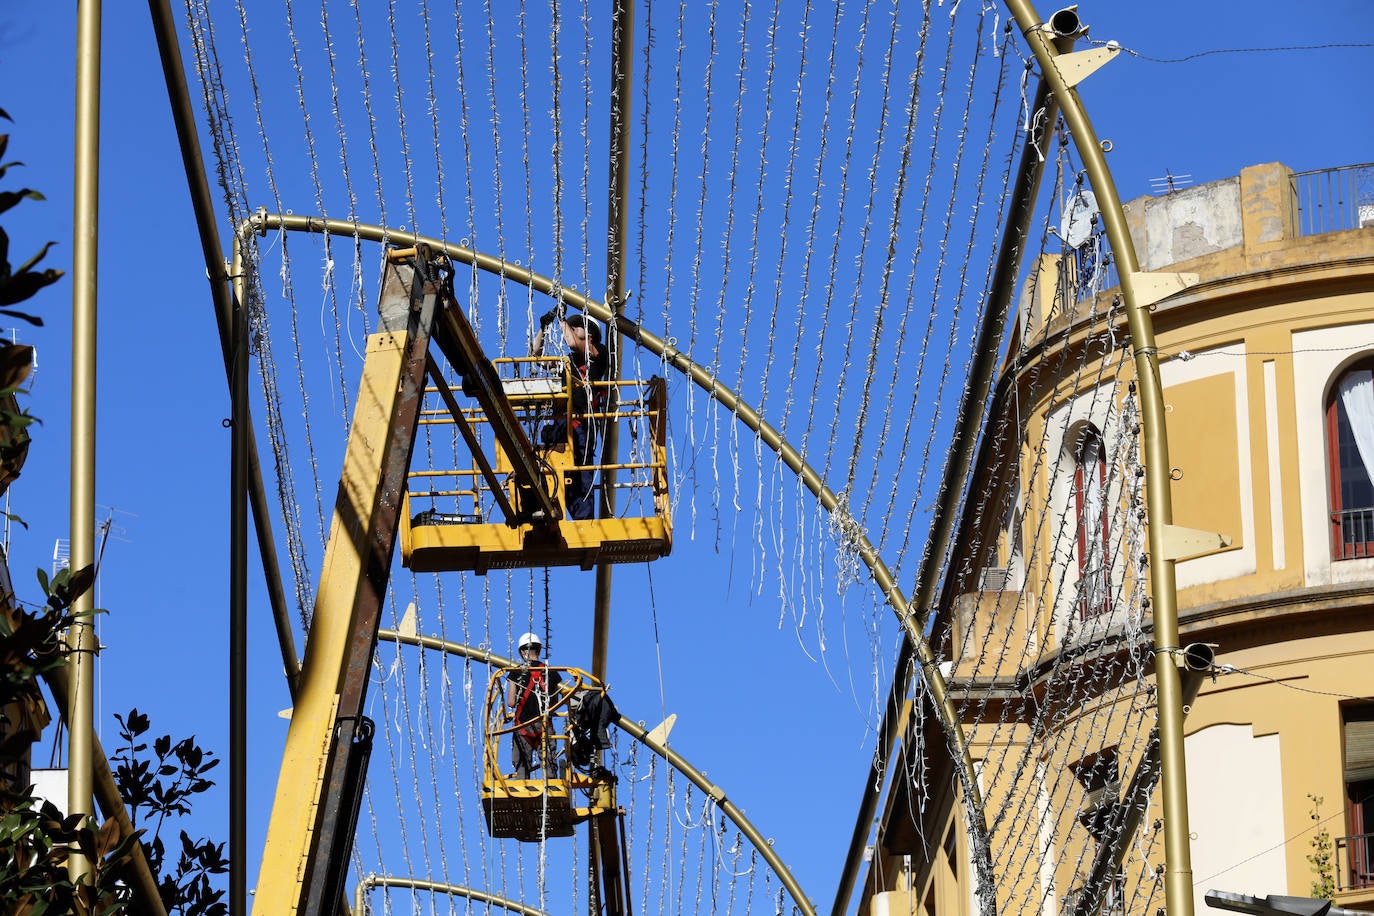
(530, 810)
(480, 547)
(482, 512)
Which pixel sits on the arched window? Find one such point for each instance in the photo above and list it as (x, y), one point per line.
(1090, 506)
(1350, 460)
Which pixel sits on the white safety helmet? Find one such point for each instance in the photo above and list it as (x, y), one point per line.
(529, 639)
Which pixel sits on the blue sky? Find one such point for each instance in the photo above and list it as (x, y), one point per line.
(162, 449)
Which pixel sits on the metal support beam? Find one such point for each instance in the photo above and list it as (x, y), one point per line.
(238, 615)
(617, 231)
(178, 96)
(606, 853)
(310, 832)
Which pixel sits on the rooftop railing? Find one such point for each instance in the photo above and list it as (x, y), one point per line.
(1334, 200)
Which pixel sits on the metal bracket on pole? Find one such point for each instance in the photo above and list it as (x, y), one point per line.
(1152, 287)
(1076, 66)
(659, 736)
(1186, 543)
(409, 625)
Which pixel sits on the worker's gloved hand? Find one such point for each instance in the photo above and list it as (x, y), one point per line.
(547, 319)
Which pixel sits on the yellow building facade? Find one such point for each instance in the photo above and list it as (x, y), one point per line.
(1266, 367)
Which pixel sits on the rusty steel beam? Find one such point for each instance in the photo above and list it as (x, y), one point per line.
(346, 765)
(458, 342)
(325, 760)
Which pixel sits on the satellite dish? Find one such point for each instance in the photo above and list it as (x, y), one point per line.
(1076, 225)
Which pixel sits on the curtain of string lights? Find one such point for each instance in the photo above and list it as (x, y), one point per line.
(817, 192)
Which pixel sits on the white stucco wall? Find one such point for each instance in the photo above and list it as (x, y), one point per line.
(50, 785)
(1191, 223)
(1235, 810)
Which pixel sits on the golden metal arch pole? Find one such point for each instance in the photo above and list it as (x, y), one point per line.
(1178, 870)
(617, 231)
(722, 394)
(81, 640)
(420, 884)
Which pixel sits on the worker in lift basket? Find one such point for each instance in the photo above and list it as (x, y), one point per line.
(531, 691)
(590, 365)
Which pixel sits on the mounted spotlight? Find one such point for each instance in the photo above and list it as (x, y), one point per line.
(1066, 24)
(1276, 905)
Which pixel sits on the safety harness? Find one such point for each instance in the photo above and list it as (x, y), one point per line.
(533, 730)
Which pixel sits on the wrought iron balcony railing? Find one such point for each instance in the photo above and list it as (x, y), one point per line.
(1352, 533)
(1333, 200)
(1355, 862)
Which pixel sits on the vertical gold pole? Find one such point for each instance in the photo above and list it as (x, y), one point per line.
(1178, 878)
(238, 616)
(81, 701)
(618, 220)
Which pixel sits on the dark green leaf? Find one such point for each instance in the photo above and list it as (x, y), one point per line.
(9, 198)
(32, 262)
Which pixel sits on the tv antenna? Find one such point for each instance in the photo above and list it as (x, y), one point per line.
(1170, 182)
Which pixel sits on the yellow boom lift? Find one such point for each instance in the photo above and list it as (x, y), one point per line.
(499, 508)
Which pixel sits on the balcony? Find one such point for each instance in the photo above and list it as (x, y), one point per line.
(1333, 200)
(1352, 532)
(1355, 862)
